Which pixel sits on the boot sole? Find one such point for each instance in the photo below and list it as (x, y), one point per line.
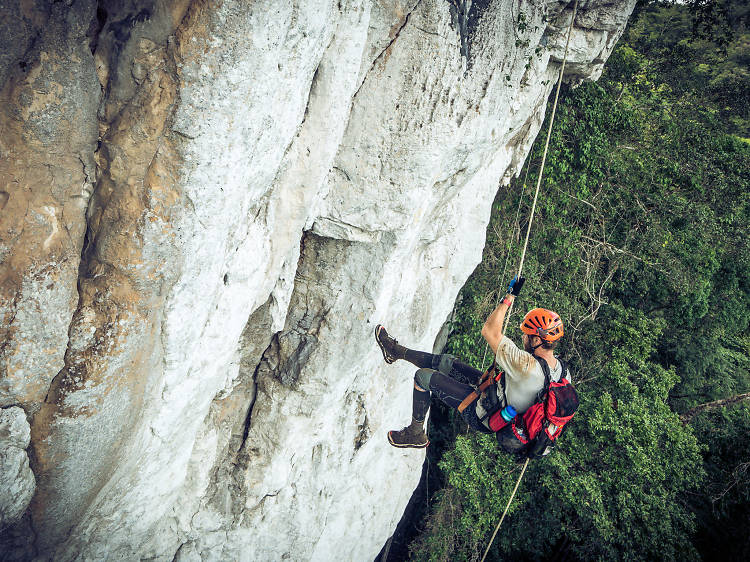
(407, 446)
(386, 357)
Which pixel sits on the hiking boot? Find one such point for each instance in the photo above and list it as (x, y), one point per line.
(392, 351)
(412, 436)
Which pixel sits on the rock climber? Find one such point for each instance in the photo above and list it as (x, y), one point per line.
(451, 380)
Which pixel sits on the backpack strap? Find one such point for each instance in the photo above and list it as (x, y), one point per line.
(542, 394)
(548, 373)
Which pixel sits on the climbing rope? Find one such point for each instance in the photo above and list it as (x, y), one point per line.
(549, 134)
(513, 495)
(526, 242)
(507, 253)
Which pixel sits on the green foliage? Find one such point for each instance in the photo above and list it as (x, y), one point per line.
(702, 53)
(640, 244)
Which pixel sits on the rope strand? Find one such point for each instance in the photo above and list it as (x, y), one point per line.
(513, 495)
(549, 135)
(507, 252)
(526, 242)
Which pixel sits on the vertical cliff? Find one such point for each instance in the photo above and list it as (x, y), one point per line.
(206, 206)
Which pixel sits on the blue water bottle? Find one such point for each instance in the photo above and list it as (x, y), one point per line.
(508, 413)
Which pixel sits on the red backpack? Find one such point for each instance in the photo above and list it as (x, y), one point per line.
(531, 433)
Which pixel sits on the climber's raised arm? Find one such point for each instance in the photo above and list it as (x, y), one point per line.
(492, 331)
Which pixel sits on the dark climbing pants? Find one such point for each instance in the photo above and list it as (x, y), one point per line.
(450, 380)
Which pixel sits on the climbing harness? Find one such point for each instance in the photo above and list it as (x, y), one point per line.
(526, 243)
(489, 378)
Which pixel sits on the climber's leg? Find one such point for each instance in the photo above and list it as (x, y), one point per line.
(443, 374)
(446, 364)
(455, 369)
(393, 351)
(452, 392)
(413, 435)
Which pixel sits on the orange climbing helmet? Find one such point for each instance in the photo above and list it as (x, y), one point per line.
(542, 323)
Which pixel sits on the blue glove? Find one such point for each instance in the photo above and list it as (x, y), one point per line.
(516, 285)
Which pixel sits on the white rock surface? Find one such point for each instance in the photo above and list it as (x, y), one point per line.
(273, 179)
(17, 482)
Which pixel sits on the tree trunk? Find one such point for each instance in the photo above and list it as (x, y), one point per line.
(688, 416)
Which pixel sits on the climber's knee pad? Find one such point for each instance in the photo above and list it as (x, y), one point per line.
(422, 378)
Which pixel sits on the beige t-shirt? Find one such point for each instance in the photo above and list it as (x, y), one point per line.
(524, 377)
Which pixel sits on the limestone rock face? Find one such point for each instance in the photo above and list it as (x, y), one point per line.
(205, 207)
(16, 479)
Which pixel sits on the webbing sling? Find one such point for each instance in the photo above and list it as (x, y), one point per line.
(485, 381)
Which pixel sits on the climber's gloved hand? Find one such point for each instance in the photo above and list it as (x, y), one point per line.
(516, 285)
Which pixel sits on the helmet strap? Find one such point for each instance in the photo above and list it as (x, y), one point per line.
(534, 347)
